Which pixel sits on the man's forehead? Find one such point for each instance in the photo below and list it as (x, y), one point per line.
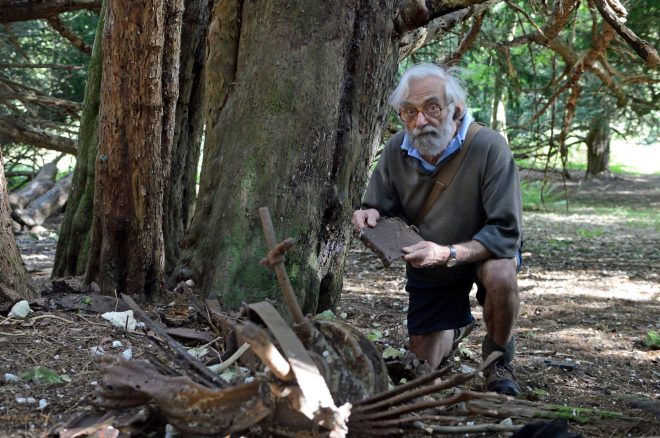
(424, 89)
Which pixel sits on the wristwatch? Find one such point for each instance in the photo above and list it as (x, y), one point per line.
(452, 260)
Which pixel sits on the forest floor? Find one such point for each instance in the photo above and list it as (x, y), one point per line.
(590, 291)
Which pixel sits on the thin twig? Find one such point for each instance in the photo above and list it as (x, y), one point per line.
(233, 358)
(207, 376)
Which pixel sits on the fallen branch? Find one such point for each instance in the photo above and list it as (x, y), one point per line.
(43, 182)
(45, 205)
(186, 361)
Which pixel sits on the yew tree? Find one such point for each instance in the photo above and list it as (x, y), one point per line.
(15, 282)
(138, 93)
(297, 101)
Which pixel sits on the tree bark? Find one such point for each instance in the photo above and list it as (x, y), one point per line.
(296, 111)
(179, 199)
(135, 134)
(73, 244)
(598, 146)
(15, 282)
(22, 10)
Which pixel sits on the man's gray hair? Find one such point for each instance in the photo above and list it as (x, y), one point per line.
(454, 91)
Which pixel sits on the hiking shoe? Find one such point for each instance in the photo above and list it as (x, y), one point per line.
(459, 335)
(500, 379)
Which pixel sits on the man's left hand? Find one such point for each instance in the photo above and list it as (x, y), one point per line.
(426, 254)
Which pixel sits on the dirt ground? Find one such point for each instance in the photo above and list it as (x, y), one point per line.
(590, 291)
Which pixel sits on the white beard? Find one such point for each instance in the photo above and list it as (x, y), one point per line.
(431, 141)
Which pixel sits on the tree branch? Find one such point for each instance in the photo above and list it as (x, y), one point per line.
(77, 42)
(466, 42)
(418, 13)
(11, 36)
(645, 50)
(22, 10)
(52, 66)
(13, 130)
(70, 107)
(419, 37)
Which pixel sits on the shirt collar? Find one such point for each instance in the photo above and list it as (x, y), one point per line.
(453, 147)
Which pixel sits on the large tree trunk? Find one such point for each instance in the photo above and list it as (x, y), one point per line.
(138, 96)
(180, 198)
(15, 282)
(296, 111)
(73, 243)
(598, 146)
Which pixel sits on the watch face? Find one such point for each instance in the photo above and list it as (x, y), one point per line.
(451, 262)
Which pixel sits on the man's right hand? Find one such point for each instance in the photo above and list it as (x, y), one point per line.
(363, 218)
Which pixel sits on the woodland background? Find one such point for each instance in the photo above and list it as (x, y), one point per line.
(173, 127)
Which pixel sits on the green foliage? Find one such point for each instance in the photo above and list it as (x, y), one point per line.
(527, 74)
(539, 196)
(41, 375)
(652, 340)
(35, 42)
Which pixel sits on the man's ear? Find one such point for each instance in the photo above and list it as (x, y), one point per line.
(458, 112)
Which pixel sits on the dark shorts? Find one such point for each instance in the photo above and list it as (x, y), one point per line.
(445, 306)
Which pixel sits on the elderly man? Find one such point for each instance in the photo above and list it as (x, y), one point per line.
(471, 230)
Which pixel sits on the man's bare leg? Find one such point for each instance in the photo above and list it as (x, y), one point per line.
(432, 347)
(500, 313)
(498, 276)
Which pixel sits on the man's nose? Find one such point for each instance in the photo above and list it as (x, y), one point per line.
(421, 120)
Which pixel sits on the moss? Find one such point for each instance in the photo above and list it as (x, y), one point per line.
(574, 413)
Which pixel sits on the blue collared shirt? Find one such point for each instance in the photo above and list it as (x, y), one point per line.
(454, 145)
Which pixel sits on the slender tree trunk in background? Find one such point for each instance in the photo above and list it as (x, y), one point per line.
(15, 282)
(598, 146)
(295, 115)
(180, 198)
(73, 243)
(138, 97)
(498, 118)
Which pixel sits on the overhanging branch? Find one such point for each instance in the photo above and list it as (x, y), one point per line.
(645, 50)
(14, 130)
(22, 10)
(74, 39)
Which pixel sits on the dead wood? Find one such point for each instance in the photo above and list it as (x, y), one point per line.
(187, 405)
(266, 350)
(45, 205)
(182, 357)
(44, 180)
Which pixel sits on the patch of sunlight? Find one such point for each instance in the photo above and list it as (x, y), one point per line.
(635, 157)
(568, 284)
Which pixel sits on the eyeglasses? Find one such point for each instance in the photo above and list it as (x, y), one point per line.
(409, 113)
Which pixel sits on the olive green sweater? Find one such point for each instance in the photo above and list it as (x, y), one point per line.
(483, 201)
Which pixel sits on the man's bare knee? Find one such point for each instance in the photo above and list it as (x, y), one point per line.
(498, 276)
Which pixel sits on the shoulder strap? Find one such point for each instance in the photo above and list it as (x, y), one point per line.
(446, 173)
